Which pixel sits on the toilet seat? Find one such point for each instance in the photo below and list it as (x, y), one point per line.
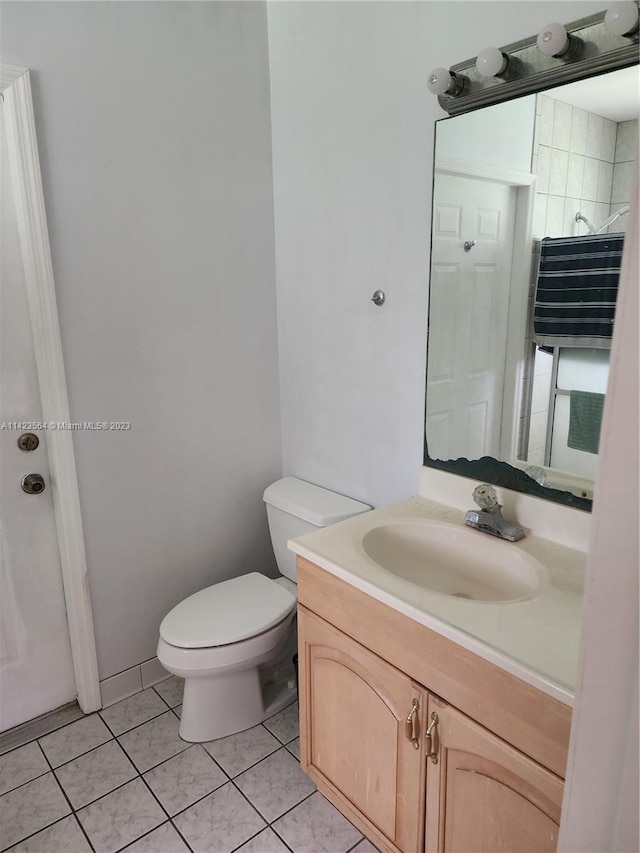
(227, 612)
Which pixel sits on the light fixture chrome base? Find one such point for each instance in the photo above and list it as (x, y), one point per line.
(594, 50)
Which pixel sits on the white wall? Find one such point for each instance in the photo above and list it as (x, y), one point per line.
(154, 133)
(600, 807)
(352, 124)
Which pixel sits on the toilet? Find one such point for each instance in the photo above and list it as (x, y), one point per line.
(233, 642)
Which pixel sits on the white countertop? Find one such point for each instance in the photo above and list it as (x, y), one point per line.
(536, 639)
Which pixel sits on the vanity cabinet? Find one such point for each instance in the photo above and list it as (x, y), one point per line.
(356, 706)
(484, 795)
(372, 682)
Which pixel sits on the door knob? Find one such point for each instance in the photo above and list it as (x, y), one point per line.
(33, 484)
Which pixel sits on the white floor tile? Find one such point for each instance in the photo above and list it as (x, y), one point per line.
(365, 846)
(95, 774)
(171, 690)
(185, 778)
(294, 747)
(285, 724)
(219, 823)
(20, 766)
(266, 842)
(316, 825)
(238, 752)
(75, 739)
(30, 808)
(153, 742)
(65, 835)
(164, 839)
(275, 785)
(121, 817)
(133, 711)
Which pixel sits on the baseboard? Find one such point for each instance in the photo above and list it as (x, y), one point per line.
(130, 681)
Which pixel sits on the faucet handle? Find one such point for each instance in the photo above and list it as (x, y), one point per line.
(485, 497)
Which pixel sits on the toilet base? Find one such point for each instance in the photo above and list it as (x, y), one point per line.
(216, 707)
(196, 727)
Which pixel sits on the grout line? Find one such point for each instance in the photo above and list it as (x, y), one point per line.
(81, 755)
(264, 829)
(303, 800)
(22, 784)
(159, 764)
(153, 687)
(135, 840)
(153, 794)
(254, 807)
(102, 796)
(278, 835)
(245, 769)
(33, 834)
(219, 766)
(84, 832)
(268, 822)
(189, 847)
(200, 799)
(137, 725)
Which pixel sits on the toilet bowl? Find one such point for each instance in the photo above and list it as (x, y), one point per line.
(234, 642)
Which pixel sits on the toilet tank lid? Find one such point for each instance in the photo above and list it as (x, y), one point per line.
(311, 503)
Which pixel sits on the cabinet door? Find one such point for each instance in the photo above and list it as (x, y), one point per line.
(354, 743)
(483, 795)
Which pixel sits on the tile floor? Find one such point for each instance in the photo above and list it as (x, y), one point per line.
(122, 779)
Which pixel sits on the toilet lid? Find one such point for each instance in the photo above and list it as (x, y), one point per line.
(227, 612)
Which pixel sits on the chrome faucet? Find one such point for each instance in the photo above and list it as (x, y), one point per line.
(489, 518)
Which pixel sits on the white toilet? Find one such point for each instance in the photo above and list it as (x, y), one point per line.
(233, 641)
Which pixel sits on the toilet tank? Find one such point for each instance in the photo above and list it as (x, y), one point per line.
(295, 507)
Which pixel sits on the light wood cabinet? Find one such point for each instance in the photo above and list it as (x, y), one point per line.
(353, 734)
(485, 796)
(358, 735)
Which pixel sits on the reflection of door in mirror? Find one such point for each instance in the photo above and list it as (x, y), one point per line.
(576, 145)
(472, 245)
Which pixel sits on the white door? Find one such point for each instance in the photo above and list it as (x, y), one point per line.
(469, 299)
(36, 672)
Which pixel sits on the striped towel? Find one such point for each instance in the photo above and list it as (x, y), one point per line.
(576, 290)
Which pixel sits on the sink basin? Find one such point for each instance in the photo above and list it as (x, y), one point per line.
(453, 560)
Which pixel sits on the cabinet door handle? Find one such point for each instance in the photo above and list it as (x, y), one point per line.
(411, 724)
(430, 736)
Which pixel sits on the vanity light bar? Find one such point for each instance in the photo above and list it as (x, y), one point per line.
(558, 54)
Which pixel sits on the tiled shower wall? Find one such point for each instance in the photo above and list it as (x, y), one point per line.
(573, 156)
(584, 164)
(626, 150)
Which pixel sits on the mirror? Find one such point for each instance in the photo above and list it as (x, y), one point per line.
(508, 400)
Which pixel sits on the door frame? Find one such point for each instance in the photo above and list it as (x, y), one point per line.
(24, 166)
(515, 360)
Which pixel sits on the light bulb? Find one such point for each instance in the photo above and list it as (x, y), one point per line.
(553, 40)
(621, 19)
(491, 62)
(441, 81)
